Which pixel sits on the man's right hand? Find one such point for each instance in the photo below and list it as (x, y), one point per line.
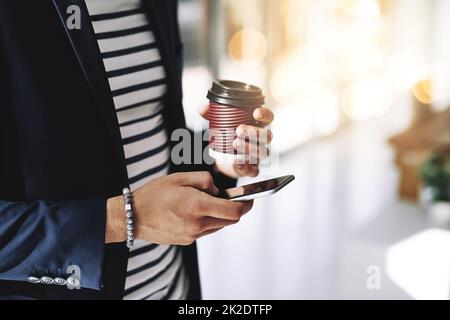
(176, 209)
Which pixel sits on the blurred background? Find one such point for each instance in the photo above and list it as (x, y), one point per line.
(361, 94)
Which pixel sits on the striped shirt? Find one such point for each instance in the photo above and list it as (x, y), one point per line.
(138, 84)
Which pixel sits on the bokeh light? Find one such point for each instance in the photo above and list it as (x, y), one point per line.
(324, 106)
(296, 72)
(293, 125)
(248, 46)
(423, 91)
(299, 82)
(358, 51)
(420, 264)
(404, 70)
(367, 10)
(367, 98)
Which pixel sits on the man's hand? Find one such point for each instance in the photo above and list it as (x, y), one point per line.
(254, 150)
(176, 209)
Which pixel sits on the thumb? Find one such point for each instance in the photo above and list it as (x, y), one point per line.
(204, 111)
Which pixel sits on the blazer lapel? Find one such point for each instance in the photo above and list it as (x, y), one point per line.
(88, 55)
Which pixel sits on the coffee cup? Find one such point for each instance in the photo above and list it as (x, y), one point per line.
(231, 104)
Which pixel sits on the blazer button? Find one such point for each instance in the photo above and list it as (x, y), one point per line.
(33, 279)
(73, 282)
(59, 281)
(46, 280)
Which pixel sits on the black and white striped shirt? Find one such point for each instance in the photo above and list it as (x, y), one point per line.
(138, 84)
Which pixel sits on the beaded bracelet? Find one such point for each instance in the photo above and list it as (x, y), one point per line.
(129, 214)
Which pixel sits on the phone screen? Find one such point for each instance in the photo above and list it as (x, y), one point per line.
(257, 189)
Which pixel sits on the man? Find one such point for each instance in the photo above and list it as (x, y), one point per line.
(85, 113)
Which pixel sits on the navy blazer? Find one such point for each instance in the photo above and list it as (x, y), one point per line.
(61, 155)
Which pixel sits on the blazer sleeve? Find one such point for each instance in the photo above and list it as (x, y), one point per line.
(45, 239)
(42, 238)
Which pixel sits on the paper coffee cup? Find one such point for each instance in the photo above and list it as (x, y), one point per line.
(231, 104)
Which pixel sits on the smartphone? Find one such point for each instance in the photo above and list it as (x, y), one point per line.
(257, 189)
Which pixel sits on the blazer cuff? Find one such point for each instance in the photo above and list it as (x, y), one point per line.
(53, 240)
(87, 246)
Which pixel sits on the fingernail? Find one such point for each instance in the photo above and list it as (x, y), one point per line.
(240, 131)
(258, 114)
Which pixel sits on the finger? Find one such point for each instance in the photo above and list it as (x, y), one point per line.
(208, 232)
(226, 169)
(224, 209)
(246, 170)
(251, 150)
(263, 115)
(201, 180)
(209, 223)
(255, 134)
(204, 111)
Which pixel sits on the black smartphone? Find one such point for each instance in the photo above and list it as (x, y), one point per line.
(257, 189)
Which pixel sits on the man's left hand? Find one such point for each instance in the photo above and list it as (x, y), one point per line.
(252, 149)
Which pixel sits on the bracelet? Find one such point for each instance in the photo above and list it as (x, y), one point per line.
(129, 214)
